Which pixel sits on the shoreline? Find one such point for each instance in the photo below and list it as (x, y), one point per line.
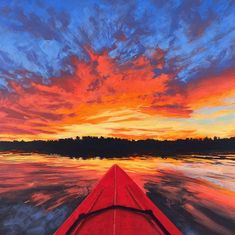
(120, 148)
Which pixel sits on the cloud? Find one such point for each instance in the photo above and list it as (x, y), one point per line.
(211, 90)
(128, 29)
(102, 85)
(69, 64)
(97, 85)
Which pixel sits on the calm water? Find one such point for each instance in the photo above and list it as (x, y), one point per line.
(37, 192)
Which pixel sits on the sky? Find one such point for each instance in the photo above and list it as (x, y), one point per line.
(128, 69)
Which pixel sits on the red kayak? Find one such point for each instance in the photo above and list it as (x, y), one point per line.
(117, 206)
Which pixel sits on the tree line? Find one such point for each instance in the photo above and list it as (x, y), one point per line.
(89, 146)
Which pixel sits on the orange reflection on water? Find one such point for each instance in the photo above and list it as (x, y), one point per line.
(201, 187)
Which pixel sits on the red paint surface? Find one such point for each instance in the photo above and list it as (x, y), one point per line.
(117, 188)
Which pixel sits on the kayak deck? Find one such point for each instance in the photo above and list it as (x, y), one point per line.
(117, 206)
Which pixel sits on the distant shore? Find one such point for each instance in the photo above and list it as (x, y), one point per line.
(114, 147)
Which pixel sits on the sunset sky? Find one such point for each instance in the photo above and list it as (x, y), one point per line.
(130, 69)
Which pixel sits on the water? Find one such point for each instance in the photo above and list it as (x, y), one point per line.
(37, 192)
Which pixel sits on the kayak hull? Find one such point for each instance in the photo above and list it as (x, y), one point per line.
(117, 206)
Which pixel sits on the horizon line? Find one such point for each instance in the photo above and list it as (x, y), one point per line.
(119, 138)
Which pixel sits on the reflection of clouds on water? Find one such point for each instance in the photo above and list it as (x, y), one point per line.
(37, 192)
(36, 197)
(43, 185)
(193, 204)
(45, 210)
(220, 173)
(26, 219)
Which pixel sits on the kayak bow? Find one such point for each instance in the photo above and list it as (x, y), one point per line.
(117, 206)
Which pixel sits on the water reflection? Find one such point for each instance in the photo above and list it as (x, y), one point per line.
(37, 192)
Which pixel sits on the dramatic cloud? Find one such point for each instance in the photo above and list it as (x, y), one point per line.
(137, 69)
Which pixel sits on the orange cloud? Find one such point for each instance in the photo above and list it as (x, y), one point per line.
(96, 86)
(33, 110)
(212, 90)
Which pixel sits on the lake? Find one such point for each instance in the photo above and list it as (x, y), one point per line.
(38, 192)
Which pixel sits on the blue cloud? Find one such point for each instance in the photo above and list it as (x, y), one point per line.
(39, 37)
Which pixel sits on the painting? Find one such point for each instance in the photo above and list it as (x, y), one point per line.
(117, 117)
